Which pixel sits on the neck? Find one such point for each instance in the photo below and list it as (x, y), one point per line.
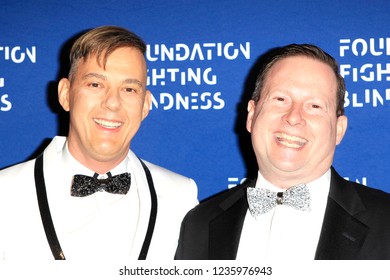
(101, 167)
(98, 164)
(285, 181)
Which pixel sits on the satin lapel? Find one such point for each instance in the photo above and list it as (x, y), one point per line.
(225, 229)
(342, 234)
(139, 180)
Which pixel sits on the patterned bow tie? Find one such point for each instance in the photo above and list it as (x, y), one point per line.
(84, 185)
(263, 200)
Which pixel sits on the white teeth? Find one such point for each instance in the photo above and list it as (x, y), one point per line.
(291, 145)
(291, 141)
(108, 124)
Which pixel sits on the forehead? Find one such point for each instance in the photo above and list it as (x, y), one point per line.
(301, 71)
(124, 62)
(124, 55)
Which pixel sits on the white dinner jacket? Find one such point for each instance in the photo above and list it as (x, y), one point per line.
(22, 235)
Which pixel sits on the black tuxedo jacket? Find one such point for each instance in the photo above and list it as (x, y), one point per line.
(356, 224)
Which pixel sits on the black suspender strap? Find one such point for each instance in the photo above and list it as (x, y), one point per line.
(48, 222)
(153, 214)
(45, 210)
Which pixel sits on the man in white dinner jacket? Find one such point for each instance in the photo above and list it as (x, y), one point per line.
(46, 212)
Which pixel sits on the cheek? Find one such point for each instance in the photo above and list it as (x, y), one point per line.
(77, 100)
(325, 134)
(265, 120)
(261, 129)
(133, 114)
(87, 101)
(81, 109)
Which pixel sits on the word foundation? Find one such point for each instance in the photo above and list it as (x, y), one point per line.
(362, 47)
(17, 54)
(205, 51)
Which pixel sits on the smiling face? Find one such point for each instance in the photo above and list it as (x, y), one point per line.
(107, 105)
(294, 127)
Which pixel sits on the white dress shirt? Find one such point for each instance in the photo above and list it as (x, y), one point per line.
(285, 233)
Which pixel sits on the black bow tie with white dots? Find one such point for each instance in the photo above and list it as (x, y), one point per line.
(85, 185)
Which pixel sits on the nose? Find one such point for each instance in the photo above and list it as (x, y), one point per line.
(112, 100)
(294, 116)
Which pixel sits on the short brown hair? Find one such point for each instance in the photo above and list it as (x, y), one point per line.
(102, 41)
(306, 50)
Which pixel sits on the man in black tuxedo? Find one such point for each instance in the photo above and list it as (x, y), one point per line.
(298, 207)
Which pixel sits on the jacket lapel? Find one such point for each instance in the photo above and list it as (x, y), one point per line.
(225, 229)
(342, 234)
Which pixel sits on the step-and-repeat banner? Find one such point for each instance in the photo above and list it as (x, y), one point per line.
(202, 61)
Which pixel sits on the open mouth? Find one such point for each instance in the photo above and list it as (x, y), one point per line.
(107, 124)
(290, 141)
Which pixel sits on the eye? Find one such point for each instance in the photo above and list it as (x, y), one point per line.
(316, 106)
(280, 100)
(130, 90)
(94, 85)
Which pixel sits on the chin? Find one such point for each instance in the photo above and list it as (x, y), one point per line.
(289, 167)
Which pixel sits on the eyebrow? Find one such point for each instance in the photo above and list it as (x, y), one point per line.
(104, 78)
(94, 75)
(132, 81)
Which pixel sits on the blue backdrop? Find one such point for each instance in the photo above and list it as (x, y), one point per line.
(202, 58)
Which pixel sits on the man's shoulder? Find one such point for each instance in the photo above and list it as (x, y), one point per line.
(17, 181)
(235, 192)
(162, 174)
(170, 183)
(220, 202)
(17, 170)
(21, 168)
(371, 197)
(162, 171)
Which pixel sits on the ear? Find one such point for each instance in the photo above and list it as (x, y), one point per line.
(342, 124)
(251, 112)
(147, 103)
(63, 93)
